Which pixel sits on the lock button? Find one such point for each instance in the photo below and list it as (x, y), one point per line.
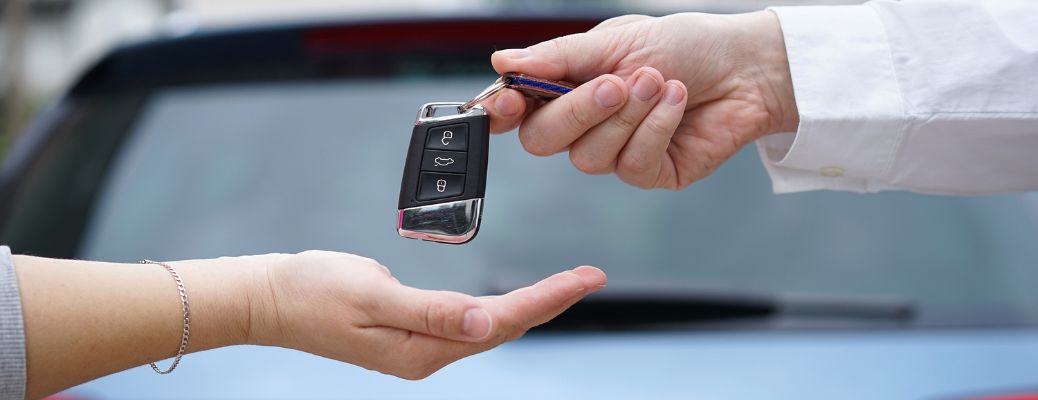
(450, 137)
(434, 186)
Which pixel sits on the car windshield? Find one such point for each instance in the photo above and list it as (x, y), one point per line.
(283, 167)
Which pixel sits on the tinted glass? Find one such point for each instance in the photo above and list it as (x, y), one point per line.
(260, 168)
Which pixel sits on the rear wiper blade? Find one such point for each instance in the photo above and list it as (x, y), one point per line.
(627, 309)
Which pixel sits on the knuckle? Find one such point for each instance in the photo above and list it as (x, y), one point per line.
(510, 335)
(578, 119)
(507, 332)
(625, 121)
(368, 265)
(634, 165)
(635, 181)
(587, 162)
(558, 45)
(654, 126)
(611, 22)
(533, 145)
(436, 315)
(444, 313)
(310, 253)
(685, 182)
(556, 50)
(368, 262)
(620, 20)
(514, 336)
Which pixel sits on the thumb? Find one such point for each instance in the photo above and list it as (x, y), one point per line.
(448, 315)
(577, 58)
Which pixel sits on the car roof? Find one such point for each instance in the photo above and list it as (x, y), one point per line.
(317, 49)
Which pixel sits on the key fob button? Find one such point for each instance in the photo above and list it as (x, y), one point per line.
(445, 174)
(434, 186)
(444, 161)
(451, 137)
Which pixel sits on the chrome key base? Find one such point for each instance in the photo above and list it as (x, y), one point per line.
(455, 222)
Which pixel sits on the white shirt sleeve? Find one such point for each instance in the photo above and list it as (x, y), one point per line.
(935, 96)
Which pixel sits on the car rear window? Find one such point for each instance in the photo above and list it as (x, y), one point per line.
(283, 167)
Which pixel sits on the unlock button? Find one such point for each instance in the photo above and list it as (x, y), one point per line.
(439, 186)
(450, 137)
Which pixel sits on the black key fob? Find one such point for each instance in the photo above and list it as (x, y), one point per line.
(445, 175)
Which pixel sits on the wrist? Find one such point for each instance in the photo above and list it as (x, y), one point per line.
(766, 64)
(265, 323)
(223, 297)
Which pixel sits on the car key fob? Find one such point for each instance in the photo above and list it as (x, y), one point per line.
(445, 174)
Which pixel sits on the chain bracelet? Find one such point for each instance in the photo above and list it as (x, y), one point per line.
(187, 318)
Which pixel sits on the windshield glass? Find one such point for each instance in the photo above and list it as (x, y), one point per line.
(258, 168)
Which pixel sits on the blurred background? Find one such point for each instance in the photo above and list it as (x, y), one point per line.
(176, 129)
(47, 43)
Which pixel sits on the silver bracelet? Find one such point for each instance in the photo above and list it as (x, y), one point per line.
(187, 318)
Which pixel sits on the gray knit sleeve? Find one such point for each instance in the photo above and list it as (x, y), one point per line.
(12, 333)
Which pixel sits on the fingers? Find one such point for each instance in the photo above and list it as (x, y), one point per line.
(447, 315)
(532, 306)
(641, 159)
(575, 58)
(460, 317)
(555, 125)
(518, 311)
(528, 307)
(608, 127)
(597, 150)
(513, 314)
(506, 110)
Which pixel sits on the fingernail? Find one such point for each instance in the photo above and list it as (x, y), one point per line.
(673, 95)
(645, 88)
(505, 105)
(476, 323)
(608, 94)
(514, 54)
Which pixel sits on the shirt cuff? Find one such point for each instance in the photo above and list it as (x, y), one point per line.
(12, 332)
(851, 109)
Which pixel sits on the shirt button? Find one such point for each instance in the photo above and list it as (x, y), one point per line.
(831, 172)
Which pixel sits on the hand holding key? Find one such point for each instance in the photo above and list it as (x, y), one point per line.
(663, 101)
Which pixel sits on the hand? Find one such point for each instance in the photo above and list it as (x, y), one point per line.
(729, 85)
(108, 317)
(351, 309)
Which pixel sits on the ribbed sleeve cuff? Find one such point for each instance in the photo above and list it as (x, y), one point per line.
(12, 331)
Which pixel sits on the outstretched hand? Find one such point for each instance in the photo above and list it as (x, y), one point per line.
(351, 309)
(108, 317)
(662, 102)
